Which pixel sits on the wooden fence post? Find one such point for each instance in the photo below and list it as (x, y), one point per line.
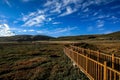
(113, 61)
(105, 70)
(89, 53)
(86, 62)
(98, 55)
(77, 59)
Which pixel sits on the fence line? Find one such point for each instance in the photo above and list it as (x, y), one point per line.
(112, 60)
(92, 67)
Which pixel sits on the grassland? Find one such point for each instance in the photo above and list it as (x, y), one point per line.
(104, 46)
(45, 60)
(36, 61)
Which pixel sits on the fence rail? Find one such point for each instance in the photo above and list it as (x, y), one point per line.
(96, 67)
(112, 60)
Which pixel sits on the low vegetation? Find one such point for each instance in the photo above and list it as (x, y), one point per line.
(107, 47)
(31, 61)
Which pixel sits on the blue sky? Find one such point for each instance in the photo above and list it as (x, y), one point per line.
(59, 17)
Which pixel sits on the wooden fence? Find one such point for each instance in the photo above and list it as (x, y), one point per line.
(96, 65)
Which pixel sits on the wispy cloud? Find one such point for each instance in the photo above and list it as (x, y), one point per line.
(40, 31)
(5, 30)
(31, 30)
(86, 10)
(34, 18)
(8, 3)
(60, 8)
(100, 24)
(69, 10)
(63, 8)
(56, 31)
(26, 0)
(56, 23)
(107, 32)
(3, 20)
(103, 16)
(24, 30)
(87, 3)
(36, 21)
(95, 13)
(62, 30)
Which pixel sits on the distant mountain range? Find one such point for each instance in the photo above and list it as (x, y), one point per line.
(111, 36)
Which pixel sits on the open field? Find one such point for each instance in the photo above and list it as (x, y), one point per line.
(45, 60)
(28, 61)
(105, 46)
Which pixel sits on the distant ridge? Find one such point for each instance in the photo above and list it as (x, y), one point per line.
(25, 38)
(110, 36)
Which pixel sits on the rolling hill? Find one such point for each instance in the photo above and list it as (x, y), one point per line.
(25, 38)
(110, 36)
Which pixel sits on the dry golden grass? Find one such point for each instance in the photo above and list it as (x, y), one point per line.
(31, 61)
(109, 48)
(20, 61)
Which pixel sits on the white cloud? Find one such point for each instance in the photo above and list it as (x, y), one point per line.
(49, 3)
(31, 30)
(98, 1)
(56, 31)
(36, 21)
(95, 2)
(115, 22)
(67, 2)
(100, 24)
(38, 17)
(95, 13)
(101, 16)
(107, 32)
(87, 3)
(62, 7)
(57, 8)
(5, 30)
(8, 3)
(26, 0)
(62, 30)
(40, 32)
(34, 18)
(24, 30)
(113, 17)
(86, 10)
(56, 22)
(69, 10)
(49, 19)
(3, 20)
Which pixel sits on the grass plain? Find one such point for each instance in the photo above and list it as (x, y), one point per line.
(45, 60)
(36, 61)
